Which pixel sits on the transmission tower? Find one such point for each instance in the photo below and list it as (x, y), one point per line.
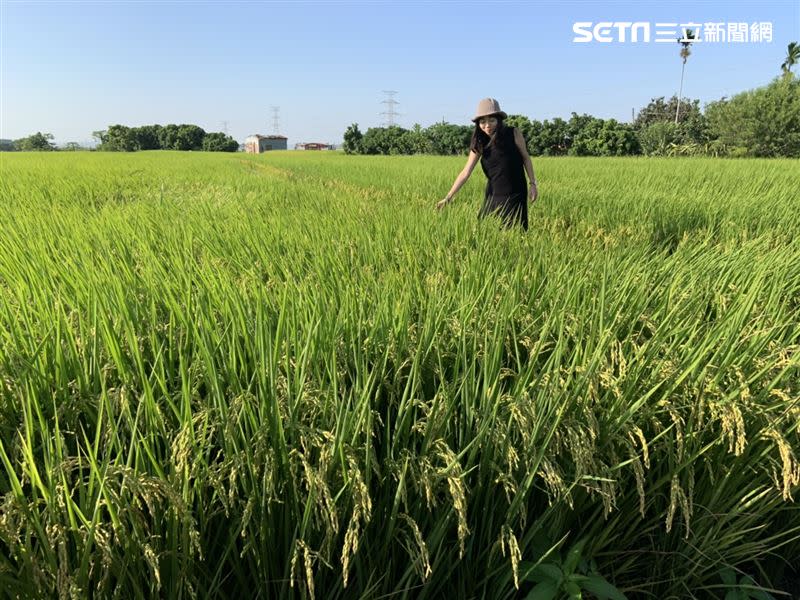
(390, 112)
(225, 127)
(276, 120)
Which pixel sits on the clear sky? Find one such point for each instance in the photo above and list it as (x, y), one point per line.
(70, 68)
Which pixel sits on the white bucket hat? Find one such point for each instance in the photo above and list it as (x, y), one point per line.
(488, 107)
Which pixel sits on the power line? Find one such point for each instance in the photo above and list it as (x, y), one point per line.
(390, 112)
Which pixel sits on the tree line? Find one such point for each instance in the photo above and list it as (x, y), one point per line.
(120, 138)
(764, 122)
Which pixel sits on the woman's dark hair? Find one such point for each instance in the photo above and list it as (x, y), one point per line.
(480, 140)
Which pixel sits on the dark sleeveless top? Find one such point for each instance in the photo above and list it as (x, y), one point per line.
(502, 164)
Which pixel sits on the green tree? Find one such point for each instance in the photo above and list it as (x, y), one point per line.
(386, 140)
(656, 138)
(449, 139)
(659, 110)
(189, 137)
(147, 137)
(760, 122)
(415, 141)
(535, 138)
(555, 137)
(792, 58)
(618, 139)
(608, 137)
(119, 138)
(685, 52)
(576, 124)
(167, 136)
(73, 147)
(219, 142)
(522, 123)
(692, 125)
(39, 142)
(352, 140)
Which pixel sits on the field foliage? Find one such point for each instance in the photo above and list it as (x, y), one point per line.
(287, 375)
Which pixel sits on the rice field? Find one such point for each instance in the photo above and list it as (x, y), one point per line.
(288, 376)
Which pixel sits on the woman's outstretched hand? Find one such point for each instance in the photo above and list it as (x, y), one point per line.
(442, 203)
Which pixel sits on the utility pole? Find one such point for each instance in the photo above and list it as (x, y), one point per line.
(390, 112)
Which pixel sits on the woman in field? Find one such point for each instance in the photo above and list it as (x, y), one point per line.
(505, 160)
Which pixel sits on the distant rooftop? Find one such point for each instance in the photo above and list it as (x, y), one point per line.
(268, 137)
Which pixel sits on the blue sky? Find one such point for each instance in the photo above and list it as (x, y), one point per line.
(70, 68)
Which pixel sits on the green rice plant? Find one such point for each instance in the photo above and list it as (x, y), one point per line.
(287, 376)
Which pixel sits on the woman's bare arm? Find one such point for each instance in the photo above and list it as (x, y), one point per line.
(519, 140)
(461, 179)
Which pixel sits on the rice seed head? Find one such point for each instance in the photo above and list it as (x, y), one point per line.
(514, 553)
(790, 468)
(362, 511)
(455, 484)
(301, 547)
(423, 563)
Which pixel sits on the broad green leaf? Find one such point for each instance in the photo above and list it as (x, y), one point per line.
(550, 571)
(601, 588)
(728, 576)
(573, 589)
(546, 590)
(760, 595)
(573, 556)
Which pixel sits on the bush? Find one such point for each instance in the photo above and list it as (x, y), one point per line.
(446, 138)
(386, 140)
(352, 140)
(765, 121)
(219, 142)
(599, 137)
(37, 142)
(656, 138)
